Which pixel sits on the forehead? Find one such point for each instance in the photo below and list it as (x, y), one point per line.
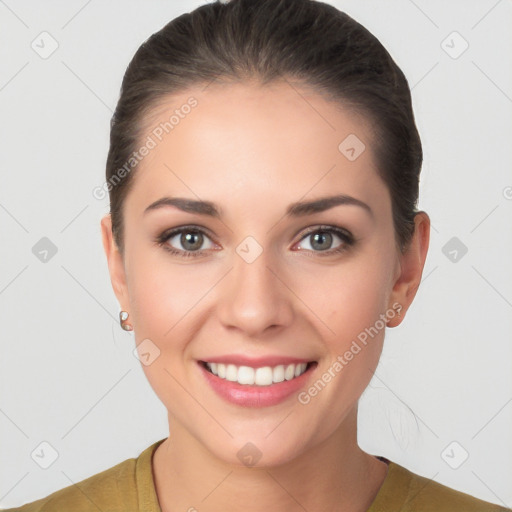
(277, 143)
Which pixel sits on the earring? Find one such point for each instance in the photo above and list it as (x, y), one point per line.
(398, 310)
(123, 316)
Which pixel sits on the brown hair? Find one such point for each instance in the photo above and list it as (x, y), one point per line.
(308, 41)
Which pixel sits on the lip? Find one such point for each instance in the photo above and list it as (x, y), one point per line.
(255, 362)
(245, 395)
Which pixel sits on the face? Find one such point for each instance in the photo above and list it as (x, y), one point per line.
(265, 283)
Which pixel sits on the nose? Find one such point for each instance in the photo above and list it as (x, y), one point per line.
(255, 298)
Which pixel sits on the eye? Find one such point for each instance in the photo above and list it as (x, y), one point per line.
(191, 240)
(322, 239)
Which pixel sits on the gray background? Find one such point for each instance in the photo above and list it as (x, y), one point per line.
(68, 375)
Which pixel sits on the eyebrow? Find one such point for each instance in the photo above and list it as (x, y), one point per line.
(297, 209)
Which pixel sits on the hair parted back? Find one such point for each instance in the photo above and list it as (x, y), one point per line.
(306, 41)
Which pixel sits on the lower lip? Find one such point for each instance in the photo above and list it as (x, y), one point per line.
(256, 396)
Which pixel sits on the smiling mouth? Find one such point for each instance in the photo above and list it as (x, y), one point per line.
(263, 376)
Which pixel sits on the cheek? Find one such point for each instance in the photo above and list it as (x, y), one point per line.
(161, 292)
(163, 298)
(347, 299)
(350, 301)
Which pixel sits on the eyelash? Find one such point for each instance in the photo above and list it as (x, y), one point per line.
(346, 237)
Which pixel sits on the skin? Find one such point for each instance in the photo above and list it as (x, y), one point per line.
(253, 150)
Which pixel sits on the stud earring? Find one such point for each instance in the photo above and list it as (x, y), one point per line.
(123, 316)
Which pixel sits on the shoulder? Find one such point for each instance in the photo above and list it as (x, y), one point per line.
(425, 493)
(406, 491)
(112, 490)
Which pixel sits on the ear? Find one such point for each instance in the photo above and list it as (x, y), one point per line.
(115, 262)
(411, 268)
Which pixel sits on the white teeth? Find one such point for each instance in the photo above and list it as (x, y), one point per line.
(289, 373)
(278, 373)
(264, 376)
(245, 375)
(231, 372)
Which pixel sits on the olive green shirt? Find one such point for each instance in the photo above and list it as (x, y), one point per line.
(129, 487)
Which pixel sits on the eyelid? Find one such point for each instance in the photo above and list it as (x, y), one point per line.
(330, 228)
(168, 233)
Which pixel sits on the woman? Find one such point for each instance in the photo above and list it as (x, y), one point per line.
(263, 175)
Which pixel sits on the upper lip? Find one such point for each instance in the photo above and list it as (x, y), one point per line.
(255, 362)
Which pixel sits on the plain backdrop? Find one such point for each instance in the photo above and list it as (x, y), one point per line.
(440, 403)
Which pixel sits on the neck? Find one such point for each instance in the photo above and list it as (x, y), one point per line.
(333, 475)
